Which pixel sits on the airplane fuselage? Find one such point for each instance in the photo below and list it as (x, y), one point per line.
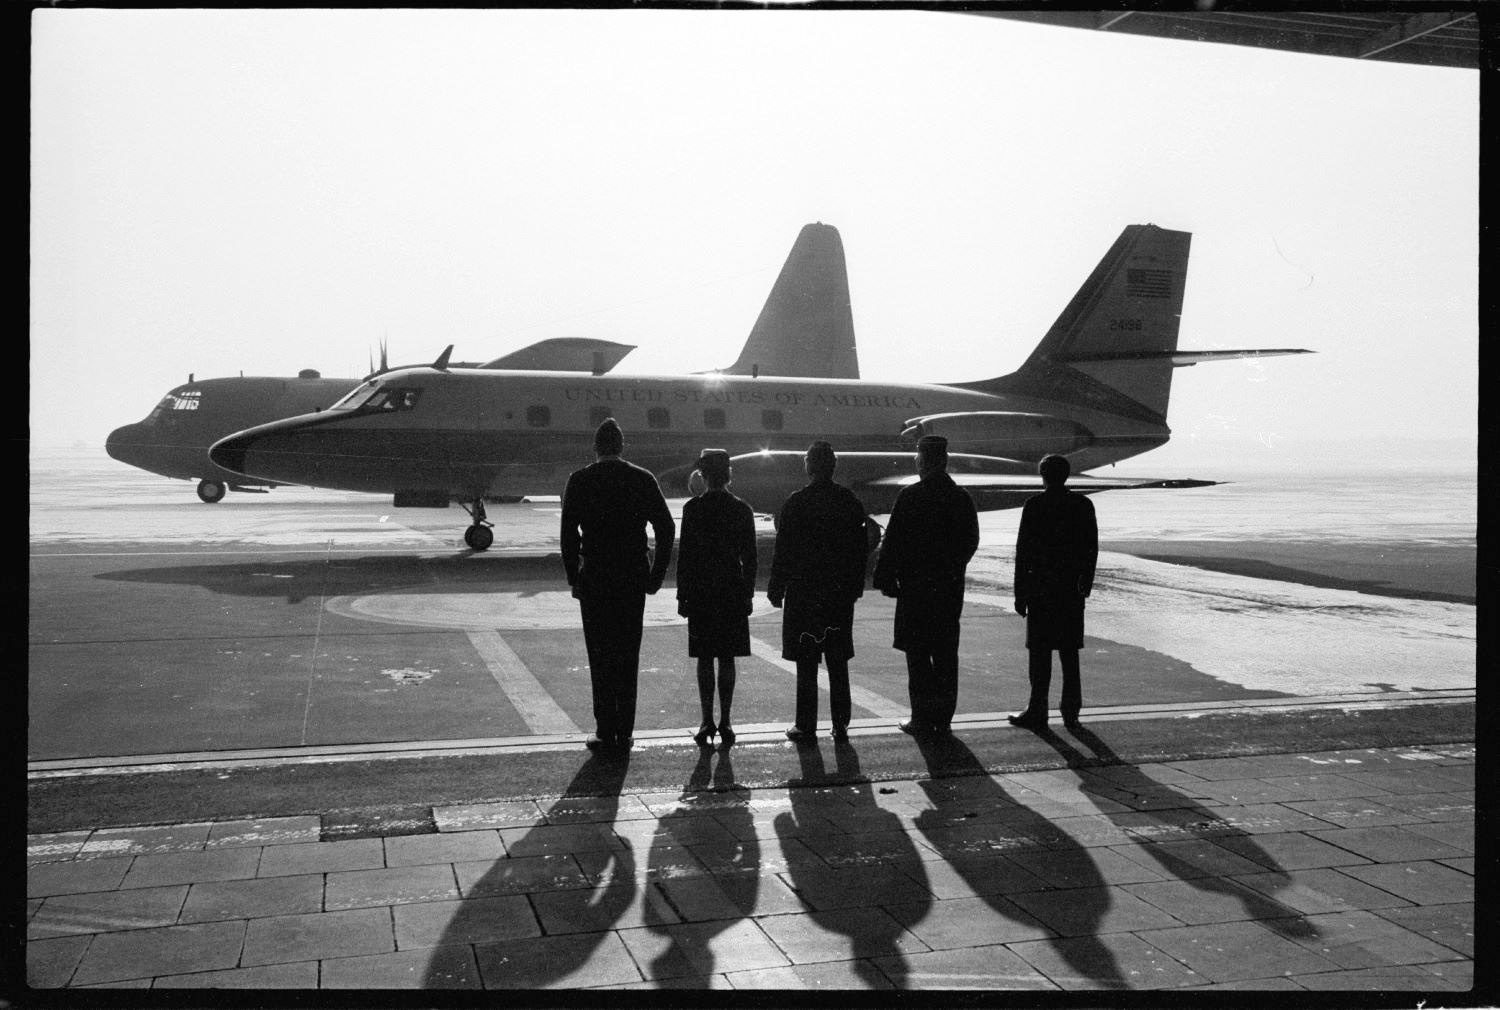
(474, 434)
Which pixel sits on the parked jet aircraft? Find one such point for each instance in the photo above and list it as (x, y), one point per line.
(1095, 389)
(805, 325)
(174, 438)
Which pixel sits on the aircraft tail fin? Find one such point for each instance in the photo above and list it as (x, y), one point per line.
(1114, 347)
(806, 327)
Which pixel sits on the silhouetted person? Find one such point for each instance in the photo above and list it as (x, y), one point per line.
(605, 510)
(716, 566)
(818, 571)
(933, 532)
(1056, 551)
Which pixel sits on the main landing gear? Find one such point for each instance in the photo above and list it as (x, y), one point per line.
(478, 536)
(210, 491)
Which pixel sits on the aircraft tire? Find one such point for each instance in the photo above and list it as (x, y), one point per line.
(479, 537)
(211, 491)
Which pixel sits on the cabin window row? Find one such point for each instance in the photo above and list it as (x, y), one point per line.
(657, 418)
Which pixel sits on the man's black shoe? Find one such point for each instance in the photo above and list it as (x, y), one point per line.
(797, 734)
(913, 727)
(841, 732)
(595, 742)
(1028, 721)
(1071, 721)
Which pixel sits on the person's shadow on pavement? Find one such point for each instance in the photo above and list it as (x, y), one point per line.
(688, 953)
(592, 896)
(976, 826)
(1181, 818)
(839, 898)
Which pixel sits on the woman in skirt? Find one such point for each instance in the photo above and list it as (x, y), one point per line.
(716, 588)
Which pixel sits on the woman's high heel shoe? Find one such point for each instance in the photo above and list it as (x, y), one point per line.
(726, 733)
(704, 735)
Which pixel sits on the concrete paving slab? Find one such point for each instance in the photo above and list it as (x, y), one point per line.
(824, 887)
(985, 969)
(1292, 850)
(1317, 891)
(978, 877)
(269, 831)
(50, 963)
(1197, 857)
(1074, 868)
(302, 975)
(660, 862)
(826, 976)
(322, 857)
(1261, 818)
(1237, 951)
(1421, 882)
(730, 896)
(1383, 979)
(1434, 807)
(147, 840)
(508, 814)
(840, 934)
(555, 838)
(575, 961)
(1110, 961)
(287, 938)
(107, 911)
(470, 921)
(1354, 812)
(392, 886)
(173, 950)
(1092, 910)
(446, 847)
(1389, 844)
(1324, 786)
(1366, 940)
(192, 867)
(701, 949)
(1462, 865)
(1202, 900)
(443, 968)
(253, 899)
(968, 922)
(486, 878)
(75, 876)
(620, 904)
(55, 845)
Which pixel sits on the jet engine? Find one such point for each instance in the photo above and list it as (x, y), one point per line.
(1016, 434)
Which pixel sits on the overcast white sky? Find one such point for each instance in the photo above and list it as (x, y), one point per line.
(262, 191)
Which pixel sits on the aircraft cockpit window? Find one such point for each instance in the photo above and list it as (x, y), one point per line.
(373, 397)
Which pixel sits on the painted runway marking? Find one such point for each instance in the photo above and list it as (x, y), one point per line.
(534, 703)
(877, 704)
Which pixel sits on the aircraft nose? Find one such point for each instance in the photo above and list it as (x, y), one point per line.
(124, 442)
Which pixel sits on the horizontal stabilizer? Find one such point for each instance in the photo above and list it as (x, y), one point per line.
(564, 354)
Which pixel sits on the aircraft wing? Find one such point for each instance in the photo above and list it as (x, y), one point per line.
(993, 491)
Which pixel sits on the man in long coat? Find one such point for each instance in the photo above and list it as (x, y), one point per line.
(605, 510)
(933, 532)
(818, 571)
(1057, 549)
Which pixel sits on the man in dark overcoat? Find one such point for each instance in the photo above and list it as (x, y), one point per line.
(817, 572)
(1057, 549)
(606, 508)
(933, 532)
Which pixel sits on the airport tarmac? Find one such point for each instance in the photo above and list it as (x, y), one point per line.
(160, 626)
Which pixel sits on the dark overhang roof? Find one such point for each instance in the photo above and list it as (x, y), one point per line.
(1442, 38)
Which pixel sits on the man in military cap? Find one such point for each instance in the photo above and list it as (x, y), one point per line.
(1057, 549)
(818, 571)
(933, 532)
(605, 510)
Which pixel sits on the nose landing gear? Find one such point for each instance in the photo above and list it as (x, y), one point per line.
(210, 491)
(478, 536)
